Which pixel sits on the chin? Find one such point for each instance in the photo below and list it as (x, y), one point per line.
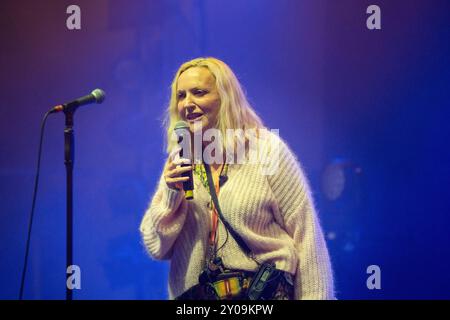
(194, 127)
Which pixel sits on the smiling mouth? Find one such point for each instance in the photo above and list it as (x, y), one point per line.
(194, 116)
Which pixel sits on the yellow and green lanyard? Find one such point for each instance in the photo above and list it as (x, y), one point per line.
(199, 170)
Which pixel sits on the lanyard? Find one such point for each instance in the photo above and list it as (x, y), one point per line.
(213, 234)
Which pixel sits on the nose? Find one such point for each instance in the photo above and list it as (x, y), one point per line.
(188, 104)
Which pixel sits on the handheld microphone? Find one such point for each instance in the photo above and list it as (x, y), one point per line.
(96, 96)
(184, 138)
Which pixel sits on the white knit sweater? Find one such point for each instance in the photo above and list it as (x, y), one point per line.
(274, 214)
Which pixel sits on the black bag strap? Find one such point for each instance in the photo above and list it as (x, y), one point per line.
(233, 233)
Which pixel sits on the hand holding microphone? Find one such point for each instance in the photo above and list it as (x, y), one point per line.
(173, 172)
(178, 172)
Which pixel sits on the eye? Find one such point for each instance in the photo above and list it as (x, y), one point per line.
(200, 92)
(181, 95)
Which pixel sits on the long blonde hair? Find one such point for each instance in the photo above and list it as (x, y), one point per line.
(235, 111)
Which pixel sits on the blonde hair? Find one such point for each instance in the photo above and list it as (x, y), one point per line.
(235, 111)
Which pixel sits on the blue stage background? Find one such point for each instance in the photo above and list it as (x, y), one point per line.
(367, 107)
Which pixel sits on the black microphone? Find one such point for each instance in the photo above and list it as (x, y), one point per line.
(184, 136)
(96, 96)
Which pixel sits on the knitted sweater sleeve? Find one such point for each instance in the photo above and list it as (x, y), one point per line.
(163, 221)
(314, 279)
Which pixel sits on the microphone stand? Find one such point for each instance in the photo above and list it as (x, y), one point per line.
(69, 109)
(68, 161)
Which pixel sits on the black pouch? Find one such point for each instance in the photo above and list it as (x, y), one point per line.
(211, 271)
(264, 283)
(267, 281)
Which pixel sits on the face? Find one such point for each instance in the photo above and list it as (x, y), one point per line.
(197, 98)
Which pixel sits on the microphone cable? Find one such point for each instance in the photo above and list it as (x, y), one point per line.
(30, 224)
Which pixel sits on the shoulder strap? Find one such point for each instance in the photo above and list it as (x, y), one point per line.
(233, 233)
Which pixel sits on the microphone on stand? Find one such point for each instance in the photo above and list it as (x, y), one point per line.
(184, 137)
(96, 96)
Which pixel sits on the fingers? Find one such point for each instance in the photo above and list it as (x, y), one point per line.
(177, 179)
(175, 182)
(175, 172)
(175, 153)
(174, 169)
(171, 165)
(181, 161)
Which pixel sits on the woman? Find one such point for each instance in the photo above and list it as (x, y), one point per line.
(264, 222)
